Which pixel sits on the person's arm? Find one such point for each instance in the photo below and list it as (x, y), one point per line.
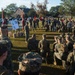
(18, 72)
(62, 47)
(69, 57)
(39, 45)
(55, 49)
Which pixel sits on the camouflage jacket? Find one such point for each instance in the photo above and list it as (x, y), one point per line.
(44, 45)
(30, 62)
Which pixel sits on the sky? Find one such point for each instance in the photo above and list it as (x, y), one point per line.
(5, 3)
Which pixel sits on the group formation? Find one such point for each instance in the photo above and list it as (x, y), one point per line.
(30, 63)
(51, 23)
(64, 50)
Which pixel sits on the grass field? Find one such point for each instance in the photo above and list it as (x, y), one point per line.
(19, 46)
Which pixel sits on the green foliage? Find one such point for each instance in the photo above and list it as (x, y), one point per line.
(54, 11)
(40, 8)
(61, 10)
(11, 8)
(22, 6)
(69, 6)
(31, 13)
(0, 14)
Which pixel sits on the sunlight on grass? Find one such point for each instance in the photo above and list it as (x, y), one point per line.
(19, 47)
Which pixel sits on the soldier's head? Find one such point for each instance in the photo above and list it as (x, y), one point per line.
(59, 39)
(44, 36)
(34, 36)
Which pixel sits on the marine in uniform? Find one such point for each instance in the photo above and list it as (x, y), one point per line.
(33, 43)
(44, 47)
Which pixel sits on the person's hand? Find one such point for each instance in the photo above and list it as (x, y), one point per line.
(54, 50)
(18, 72)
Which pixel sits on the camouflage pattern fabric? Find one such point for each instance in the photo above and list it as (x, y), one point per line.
(8, 62)
(30, 62)
(44, 47)
(32, 44)
(2, 69)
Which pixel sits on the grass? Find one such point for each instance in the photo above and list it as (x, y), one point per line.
(19, 46)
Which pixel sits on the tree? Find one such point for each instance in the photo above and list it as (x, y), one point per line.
(69, 6)
(22, 6)
(40, 8)
(0, 14)
(54, 11)
(33, 6)
(32, 13)
(61, 10)
(11, 8)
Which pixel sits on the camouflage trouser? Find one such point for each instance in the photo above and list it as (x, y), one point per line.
(57, 55)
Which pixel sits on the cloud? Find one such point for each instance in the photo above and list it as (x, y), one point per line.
(5, 3)
(27, 3)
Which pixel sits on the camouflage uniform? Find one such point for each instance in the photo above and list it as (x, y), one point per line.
(44, 47)
(32, 44)
(30, 63)
(8, 62)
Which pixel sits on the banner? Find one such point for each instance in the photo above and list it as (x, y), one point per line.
(14, 24)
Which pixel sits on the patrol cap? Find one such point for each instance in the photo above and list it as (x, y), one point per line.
(3, 47)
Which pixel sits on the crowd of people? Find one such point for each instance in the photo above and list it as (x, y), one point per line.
(6, 65)
(49, 24)
(52, 24)
(63, 47)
